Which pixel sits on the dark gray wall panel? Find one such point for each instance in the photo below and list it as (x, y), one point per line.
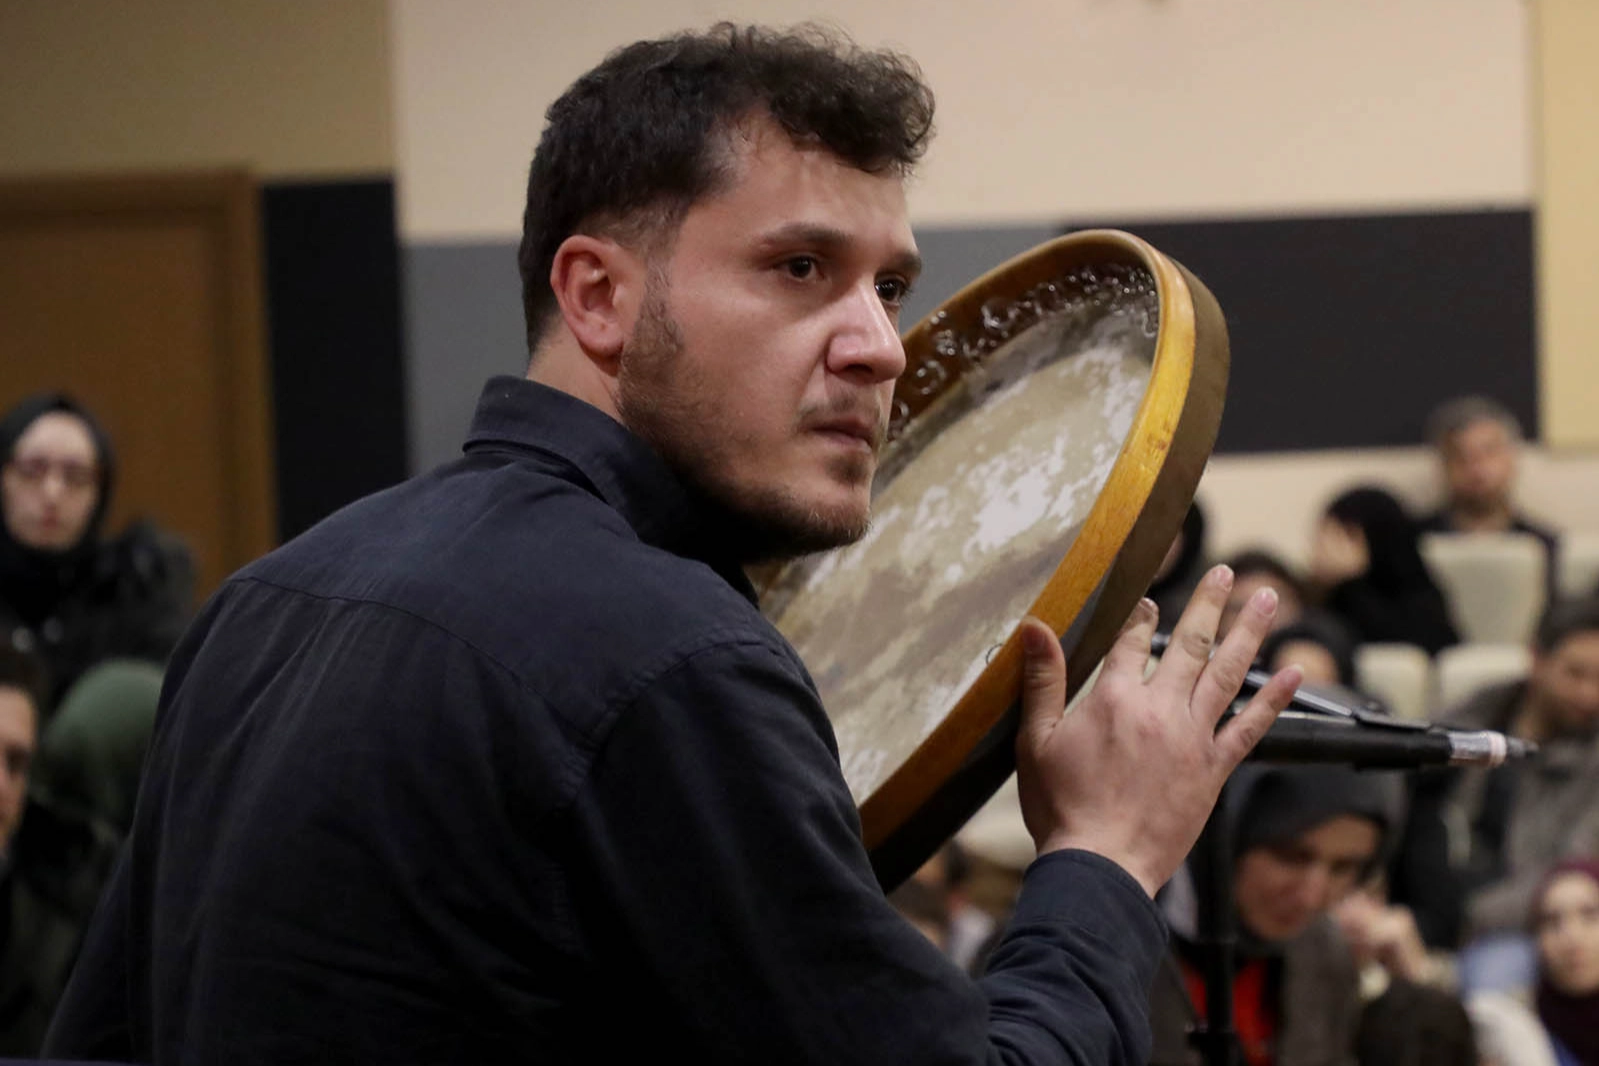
(338, 372)
(463, 312)
(955, 256)
(1345, 330)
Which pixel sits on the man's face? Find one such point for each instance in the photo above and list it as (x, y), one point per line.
(17, 741)
(1565, 684)
(1281, 888)
(51, 485)
(1480, 465)
(763, 362)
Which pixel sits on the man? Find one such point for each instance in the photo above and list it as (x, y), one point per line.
(51, 867)
(1303, 838)
(504, 763)
(1478, 440)
(1479, 840)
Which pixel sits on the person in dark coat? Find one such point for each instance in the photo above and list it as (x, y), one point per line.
(79, 597)
(52, 865)
(1367, 561)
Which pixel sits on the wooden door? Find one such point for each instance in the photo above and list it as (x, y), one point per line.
(141, 296)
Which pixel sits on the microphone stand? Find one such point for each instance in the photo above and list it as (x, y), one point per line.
(1214, 1036)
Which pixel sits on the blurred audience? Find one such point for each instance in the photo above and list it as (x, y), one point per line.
(52, 867)
(81, 598)
(1367, 563)
(925, 906)
(101, 612)
(1303, 838)
(1478, 442)
(1254, 570)
(1479, 840)
(1318, 644)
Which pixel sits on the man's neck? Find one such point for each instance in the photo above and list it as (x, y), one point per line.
(1495, 518)
(1534, 722)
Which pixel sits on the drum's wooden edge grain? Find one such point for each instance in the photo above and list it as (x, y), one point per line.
(1180, 414)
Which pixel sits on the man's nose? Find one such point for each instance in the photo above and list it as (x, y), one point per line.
(1315, 889)
(867, 342)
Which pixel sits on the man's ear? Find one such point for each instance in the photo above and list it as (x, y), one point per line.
(598, 285)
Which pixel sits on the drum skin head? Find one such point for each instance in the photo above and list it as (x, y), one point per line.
(1047, 438)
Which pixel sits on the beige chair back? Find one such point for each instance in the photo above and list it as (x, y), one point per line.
(1398, 674)
(1579, 564)
(1465, 668)
(1494, 582)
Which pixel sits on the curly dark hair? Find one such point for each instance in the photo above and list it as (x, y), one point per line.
(636, 141)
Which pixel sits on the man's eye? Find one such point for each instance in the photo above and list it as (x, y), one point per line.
(893, 290)
(801, 266)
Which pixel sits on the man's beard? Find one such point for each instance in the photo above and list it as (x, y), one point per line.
(662, 400)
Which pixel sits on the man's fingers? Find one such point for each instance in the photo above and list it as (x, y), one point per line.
(1224, 675)
(1043, 678)
(1194, 635)
(1238, 737)
(1130, 653)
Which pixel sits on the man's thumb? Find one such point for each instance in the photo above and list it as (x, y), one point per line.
(1043, 677)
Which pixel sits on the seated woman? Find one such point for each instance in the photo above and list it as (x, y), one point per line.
(1366, 561)
(102, 614)
(1303, 838)
(1563, 1027)
(1566, 923)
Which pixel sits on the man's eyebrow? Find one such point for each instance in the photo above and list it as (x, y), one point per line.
(832, 240)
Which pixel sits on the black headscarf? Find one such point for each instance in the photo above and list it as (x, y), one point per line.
(33, 580)
(1273, 804)
(1321, 629)
(1392, 537)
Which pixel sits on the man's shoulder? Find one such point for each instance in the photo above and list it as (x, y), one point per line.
(529, 568)
(1490, 707)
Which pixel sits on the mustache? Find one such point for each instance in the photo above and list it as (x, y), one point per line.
(850, 411)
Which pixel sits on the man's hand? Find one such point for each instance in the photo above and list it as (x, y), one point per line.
(1134, 770)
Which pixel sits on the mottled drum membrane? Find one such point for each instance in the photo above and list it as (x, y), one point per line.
(976, 504)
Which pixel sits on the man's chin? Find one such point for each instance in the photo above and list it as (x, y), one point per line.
(787, 526)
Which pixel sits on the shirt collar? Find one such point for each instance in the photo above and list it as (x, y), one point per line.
(615, 464)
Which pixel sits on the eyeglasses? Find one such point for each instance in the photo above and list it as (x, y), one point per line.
(74, 475)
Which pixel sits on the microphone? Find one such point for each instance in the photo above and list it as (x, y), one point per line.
(1330, 723)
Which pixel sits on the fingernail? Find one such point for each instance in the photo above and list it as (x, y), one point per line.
(1266, 601)
(1149, 608)
(1224, 577)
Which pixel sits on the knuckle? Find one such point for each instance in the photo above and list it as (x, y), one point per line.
(1196, 642)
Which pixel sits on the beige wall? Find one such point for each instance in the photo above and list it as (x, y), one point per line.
(1568, 220)
(288, 87)
(1047, 108)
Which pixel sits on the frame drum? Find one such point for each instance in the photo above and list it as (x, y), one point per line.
(1047, 437)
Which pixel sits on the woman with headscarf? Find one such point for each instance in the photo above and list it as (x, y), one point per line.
(102, 614)
(1566, 924)
(75, 596)
(1303, 838)
(1562, 1028)
(1367, 561)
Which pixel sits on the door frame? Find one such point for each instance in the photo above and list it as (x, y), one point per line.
(227, 203)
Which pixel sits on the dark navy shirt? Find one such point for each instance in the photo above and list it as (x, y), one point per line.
(504, 765)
